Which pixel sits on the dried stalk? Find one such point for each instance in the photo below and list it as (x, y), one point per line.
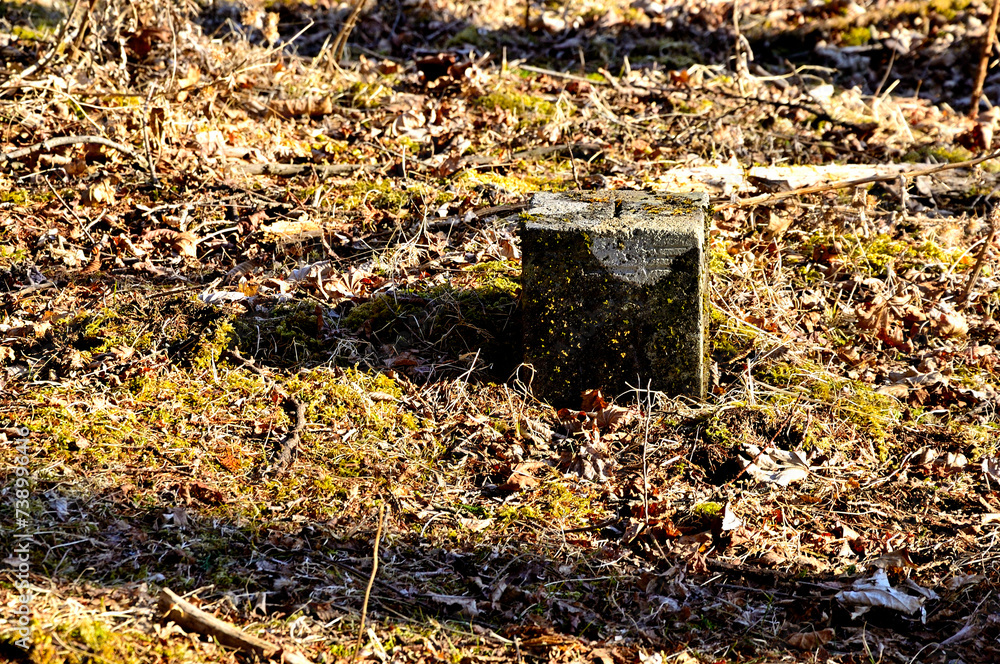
(345, 31)
(371, 581)
(984, 61)
(994, 221)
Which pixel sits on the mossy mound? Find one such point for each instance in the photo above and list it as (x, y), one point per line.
(480, 316)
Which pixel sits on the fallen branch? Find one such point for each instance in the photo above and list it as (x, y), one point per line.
(288, 170)
(766, 199)
(193, 619)
(59, 141)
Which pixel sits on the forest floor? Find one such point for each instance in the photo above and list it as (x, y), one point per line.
(270, 292)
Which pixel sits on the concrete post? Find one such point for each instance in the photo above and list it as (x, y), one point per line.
(614, 288)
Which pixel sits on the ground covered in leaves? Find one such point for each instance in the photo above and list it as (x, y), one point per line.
(270, 290)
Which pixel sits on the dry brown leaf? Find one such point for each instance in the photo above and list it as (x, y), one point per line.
(102, 193)
(951, 324)
(521, 478)
(186, 244)
(608, 418)
(593, 400)
(811, 640)
(777, 225)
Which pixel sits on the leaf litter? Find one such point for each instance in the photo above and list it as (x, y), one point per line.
(350, 224)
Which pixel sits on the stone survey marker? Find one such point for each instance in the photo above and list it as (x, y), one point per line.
(615, 293)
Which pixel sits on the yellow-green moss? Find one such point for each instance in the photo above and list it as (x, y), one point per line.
(940, 153)
(91, 641)
(23, 196)
(707, 509)
(857, 36)
(529, 110)
(521, 183)
(948, 9)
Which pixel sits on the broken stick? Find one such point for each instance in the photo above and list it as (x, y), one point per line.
(195, 620)
(767, 199)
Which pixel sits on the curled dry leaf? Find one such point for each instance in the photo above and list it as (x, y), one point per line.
(878, 592)
(592, 400)
(779, 467)
(466, 605)
(949, 323)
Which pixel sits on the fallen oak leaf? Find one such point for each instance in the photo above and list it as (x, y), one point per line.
(608, 418)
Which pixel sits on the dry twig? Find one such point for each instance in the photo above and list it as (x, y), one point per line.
(371, 580)
(984, 60)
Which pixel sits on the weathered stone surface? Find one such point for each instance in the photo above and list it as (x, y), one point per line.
(615, 293)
